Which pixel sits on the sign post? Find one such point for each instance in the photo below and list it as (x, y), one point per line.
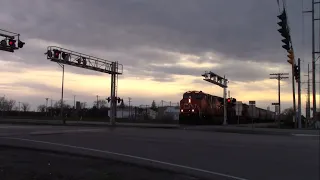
(277, 109)
(252, 105)
(239, 109)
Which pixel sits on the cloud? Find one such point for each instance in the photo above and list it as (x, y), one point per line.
(158, 41)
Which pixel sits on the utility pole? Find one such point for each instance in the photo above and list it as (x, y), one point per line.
(51, 106)
(97, 101)
(314, 105)
(129, 107)
(161, 103)
(308, 97)
(279, 76)
(74, 101)
(47, 106)
(299, 94)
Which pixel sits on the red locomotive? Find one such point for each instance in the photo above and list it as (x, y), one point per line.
(197, 107)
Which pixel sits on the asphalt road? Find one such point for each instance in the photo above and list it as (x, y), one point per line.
(204, 154)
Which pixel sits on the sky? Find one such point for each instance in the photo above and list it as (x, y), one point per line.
(164, 47)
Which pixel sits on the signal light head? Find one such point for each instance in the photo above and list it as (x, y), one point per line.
(12, 43)
(65, 56)
(4, 42)
(56, 53)
(84, 60)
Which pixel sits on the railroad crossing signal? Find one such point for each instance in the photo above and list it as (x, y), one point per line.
(9, 43)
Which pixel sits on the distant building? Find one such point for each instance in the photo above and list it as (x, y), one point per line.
(135, 113)
(171, 112)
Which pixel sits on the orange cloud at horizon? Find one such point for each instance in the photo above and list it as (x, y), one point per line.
(132, 87)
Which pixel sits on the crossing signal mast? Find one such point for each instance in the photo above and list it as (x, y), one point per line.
(69, 57)
(11, 41)
(213, 78)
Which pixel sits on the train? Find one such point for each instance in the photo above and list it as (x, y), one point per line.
(197, 107)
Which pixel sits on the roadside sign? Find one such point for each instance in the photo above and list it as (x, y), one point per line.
(252, 102)
(239, 108)
(275, 103)
(277, 109)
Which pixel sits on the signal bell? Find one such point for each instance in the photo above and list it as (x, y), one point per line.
(20, 44)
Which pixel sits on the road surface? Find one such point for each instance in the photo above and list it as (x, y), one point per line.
(204, 154)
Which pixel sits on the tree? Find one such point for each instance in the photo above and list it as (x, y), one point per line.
(9, 104)
(58, 105)
(153, 105)
(288, 112)
(83, 105)
(25, 107)
(2, 103)
(101, 103)
(41, 108)
(122, 105)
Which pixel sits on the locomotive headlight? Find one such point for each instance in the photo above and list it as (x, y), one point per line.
(189, 100)
(181, 110)
(192, 110)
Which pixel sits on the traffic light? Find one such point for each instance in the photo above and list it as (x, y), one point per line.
(84, 61)
(20, 44)
(234, 100)
(56, 53)
(65, 56)
(228, 100)
(297, 72)
(3, 43)
(12, 43)
(291, 56)
(79, 60)
(119, 100)
(284, 31)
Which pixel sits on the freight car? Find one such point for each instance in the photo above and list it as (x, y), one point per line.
(197, 107)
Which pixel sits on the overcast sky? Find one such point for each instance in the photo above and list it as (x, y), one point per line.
(164, 47)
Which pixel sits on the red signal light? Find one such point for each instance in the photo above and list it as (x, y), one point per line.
(229, 100)
(12, 42)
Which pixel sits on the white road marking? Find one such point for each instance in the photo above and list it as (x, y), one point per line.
(130, 156)
(307, 135)
(14, 127)
(65, 131)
